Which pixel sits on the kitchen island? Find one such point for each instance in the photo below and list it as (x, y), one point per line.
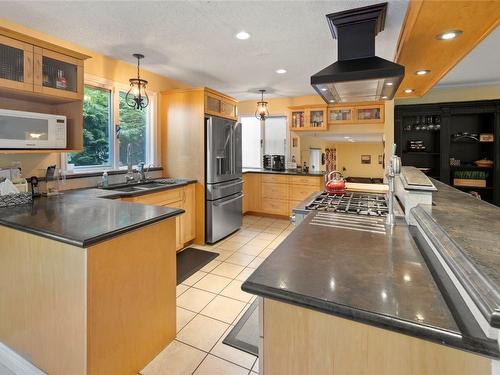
(88, 284)
(341, 301)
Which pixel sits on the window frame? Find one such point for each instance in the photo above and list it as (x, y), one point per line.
(263, 135)
(151, 152)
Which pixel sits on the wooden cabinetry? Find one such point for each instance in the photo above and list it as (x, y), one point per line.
(36, 76)
(219, 105)
(183, 198)
(308, 118)
(277, 194)
(16, 64)
(360, 113)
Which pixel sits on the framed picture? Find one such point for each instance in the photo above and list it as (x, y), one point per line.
(366, 159)
(381, 159)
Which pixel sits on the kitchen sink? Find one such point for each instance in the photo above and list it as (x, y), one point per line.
(144, 186)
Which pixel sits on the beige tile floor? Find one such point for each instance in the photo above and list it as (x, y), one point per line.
(211, 302)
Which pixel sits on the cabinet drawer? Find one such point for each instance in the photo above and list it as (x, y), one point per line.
(275, 191)
(162, 198)
(274, 206)
(275, 178)
(305, 180)
(301, 192)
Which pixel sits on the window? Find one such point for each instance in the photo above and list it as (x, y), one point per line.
(109, 125)
(97, 124)
(262, 138)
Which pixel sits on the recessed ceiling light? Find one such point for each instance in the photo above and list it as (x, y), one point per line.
(448, 35)
(389, 84)
(347, 137)
(422, 72)
(323, 89)
(281, 71)
(243, 35)
(332, 101)
(408, 91)
(384, 97)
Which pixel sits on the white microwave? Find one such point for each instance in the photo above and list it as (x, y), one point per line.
(29, 130)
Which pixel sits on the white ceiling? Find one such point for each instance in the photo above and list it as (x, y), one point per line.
(193, 41)
(481, 66)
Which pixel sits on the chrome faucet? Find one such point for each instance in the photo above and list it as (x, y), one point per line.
(392, 170)
(142, 172)
(129, 177)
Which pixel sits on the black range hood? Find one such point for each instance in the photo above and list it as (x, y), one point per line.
(358, 75)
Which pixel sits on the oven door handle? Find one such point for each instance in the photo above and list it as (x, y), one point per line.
(217, 204)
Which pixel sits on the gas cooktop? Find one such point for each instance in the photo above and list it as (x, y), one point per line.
(370, 204)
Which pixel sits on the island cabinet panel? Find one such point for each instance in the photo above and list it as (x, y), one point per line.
(183, 198)
(131, 299)
(43, 301)
(299, 341)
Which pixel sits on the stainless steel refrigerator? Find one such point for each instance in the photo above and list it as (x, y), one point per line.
(224, 184)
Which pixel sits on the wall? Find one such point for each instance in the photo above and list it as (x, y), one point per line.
(279, 107)
(98, 65)
(349, 157)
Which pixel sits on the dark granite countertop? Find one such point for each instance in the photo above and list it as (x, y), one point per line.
(377, 279)
(467, 234)
(292, 172)
(82, 218)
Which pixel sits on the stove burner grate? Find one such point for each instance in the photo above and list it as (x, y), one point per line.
(368, 204)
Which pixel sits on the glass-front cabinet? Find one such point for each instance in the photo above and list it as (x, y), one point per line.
(357, 113)
(317, 118)
(340, 115)
(219, 106)
(16, 64)
(297, 119)
(369, 114)
(307, 118)
(57, 74)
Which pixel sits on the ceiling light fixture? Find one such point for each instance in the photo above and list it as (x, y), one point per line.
(409, 91)
(389, 84)
(137, 97)
(281, 71)
(449, 35)
(324, 89)
(332, 101)
(422, 72)
(347, 137)
(262, 111)
(243, 35)
(384, 97)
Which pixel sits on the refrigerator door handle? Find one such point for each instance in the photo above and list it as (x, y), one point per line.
(217, 204)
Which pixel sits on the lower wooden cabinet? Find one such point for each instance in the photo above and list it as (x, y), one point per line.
(277, 194)
(183, 198)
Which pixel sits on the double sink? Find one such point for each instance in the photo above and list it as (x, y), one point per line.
(145, 186)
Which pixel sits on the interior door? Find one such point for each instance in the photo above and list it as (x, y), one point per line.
(221, 150)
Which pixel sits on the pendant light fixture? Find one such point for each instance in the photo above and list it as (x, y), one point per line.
(137, 97)
(262, 111)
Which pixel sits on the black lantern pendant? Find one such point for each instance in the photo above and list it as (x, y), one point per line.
(137, 97)
(262, 111)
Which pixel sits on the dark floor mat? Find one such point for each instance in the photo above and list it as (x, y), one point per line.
(191, 260)
(245, 334)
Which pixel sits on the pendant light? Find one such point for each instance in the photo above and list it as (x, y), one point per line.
(262, 111)
(137, 97)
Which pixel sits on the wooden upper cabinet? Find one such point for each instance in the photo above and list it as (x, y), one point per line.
(307, 118)
(360, 113)
(219, 105)
(58, 75)
(49, 72)
(16, 64)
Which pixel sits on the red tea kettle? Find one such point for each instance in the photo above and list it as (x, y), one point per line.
(335, 182)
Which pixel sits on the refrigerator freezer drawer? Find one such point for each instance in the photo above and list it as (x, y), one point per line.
(224, 189)
(223, 217)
